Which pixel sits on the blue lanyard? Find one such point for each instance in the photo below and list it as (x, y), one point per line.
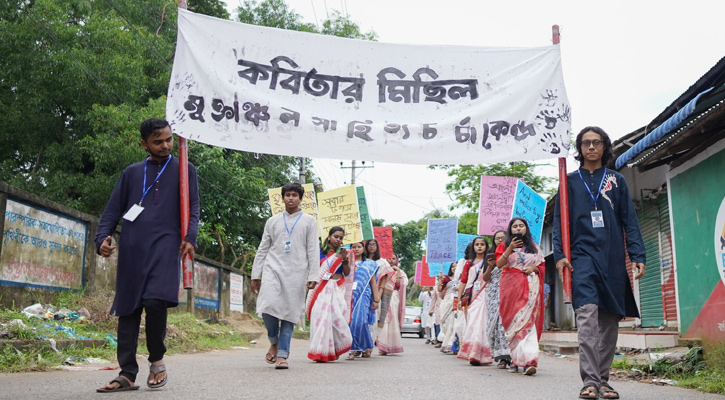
(589, 190)
(157, 177)
(289, 231)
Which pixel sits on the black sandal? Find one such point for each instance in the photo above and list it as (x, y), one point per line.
(606, 389)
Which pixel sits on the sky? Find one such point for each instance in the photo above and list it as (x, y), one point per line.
(624, 62)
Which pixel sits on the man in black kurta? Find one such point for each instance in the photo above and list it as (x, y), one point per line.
(601, 217)
(150, 250)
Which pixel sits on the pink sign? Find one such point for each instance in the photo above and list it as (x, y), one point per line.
(495, 203)
(384, 236)
(418, 271)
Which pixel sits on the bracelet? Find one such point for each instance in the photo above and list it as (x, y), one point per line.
(376, 301)
(504, 256)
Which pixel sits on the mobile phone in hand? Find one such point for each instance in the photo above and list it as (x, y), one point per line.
(517, 236)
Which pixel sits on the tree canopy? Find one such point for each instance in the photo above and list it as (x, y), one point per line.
(77, 77)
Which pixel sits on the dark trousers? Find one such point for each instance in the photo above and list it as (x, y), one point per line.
(128, 328)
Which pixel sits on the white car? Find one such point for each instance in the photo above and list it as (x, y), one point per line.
(411, 324)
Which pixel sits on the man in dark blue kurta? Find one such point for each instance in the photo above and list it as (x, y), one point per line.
(147, 198)
(601, 216)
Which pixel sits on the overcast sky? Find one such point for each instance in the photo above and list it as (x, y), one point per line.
(623, 61)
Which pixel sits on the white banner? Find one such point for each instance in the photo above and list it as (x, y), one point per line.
(284, 92)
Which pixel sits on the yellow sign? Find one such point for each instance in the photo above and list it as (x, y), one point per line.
(308, 205)
(339, 207)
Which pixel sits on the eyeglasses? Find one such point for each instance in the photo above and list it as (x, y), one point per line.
(596, 143)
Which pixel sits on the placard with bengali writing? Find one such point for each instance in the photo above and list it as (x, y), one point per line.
(42, 249)
(384, 236)
(418, 271)
(530, 206)
(495, 203)
(308, 204)
(462, 242)
(339, 207)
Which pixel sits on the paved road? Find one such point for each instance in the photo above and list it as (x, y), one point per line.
(243, 374)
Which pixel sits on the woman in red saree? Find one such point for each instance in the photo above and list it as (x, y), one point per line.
(521, 294)
(328, 306)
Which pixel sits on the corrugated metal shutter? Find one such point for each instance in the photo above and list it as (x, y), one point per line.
(650, 286)
(669, 299)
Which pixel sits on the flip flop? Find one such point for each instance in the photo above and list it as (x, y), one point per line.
(270, 358)
(124, 383)
(153, 371)
(367, 354)
(350, 357)
(281, 365)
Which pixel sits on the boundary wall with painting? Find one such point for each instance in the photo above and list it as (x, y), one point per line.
(47, 247)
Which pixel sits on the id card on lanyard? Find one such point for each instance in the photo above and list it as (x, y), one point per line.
(597, 215)
(288, 242)
(137, 209)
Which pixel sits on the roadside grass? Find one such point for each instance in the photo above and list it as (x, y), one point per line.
(185, 334)
(700, 369)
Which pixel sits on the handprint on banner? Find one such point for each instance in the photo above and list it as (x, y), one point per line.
(551, 142)
(550, 97)
(565, 115)
(548, 117)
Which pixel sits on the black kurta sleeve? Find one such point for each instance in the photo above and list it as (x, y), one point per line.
(115, 208)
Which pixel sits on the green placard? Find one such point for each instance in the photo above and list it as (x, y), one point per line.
(366, 223)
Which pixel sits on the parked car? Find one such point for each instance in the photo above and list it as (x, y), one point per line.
(411, 324)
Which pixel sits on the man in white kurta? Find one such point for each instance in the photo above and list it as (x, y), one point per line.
(288, 257)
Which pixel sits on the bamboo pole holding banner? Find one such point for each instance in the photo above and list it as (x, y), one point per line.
(564, 207)
(187, 263)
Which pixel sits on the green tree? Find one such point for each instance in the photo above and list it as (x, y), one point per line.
(343, 26)
(77, 77)
(76, 80)
(274, 14)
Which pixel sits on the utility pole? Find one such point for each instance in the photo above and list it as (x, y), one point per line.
(354, 167)
(303, 171)
(352, 173)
